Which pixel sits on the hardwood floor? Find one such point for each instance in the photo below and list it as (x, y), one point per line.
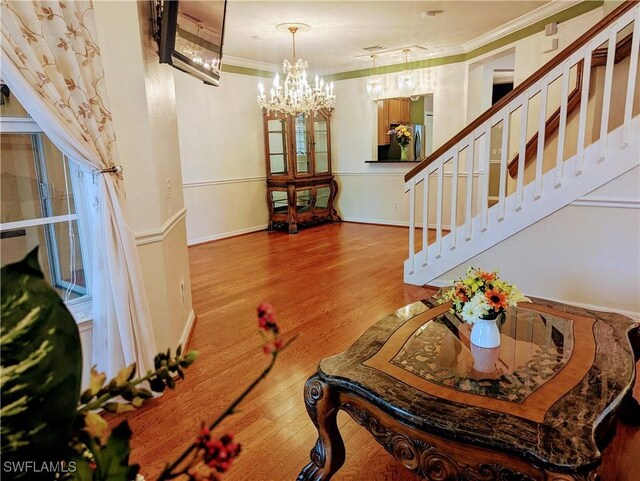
(328, 284)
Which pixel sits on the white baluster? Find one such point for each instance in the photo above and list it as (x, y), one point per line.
(563, 125)
(412, 225)
(606, 98)
(425, 219)
(485, 148)
(584, 106)
(439, 208)
(522, 156)
(454, 198)
(542, 124)
(633, 69)
(503, 164)
(467, 216)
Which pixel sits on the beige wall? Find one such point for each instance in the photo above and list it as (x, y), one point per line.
(222, 155)
(142, 97)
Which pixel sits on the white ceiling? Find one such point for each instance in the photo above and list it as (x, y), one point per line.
(342, 29)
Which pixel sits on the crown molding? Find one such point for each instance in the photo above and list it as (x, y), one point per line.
(524, 26)
(541, 13)
(251, 64)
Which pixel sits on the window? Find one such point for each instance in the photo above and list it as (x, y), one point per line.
(42, 195)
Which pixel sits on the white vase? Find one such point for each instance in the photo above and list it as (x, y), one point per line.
(485, 333)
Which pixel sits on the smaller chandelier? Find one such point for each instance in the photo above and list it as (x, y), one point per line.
(406, 78)
(374, 83)
(295, 95)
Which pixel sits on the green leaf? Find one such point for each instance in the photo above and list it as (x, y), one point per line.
(112, 459)
(41, 366)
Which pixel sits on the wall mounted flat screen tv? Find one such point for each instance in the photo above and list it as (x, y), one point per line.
(191, 33)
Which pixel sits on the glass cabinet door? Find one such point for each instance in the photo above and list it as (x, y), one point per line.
(279, 201)
(302, 158)
(303, 200)
(277, 143)
(321, 139)
(322, 197)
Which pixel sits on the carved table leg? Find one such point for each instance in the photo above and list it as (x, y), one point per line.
(327, 456)
(630, 411)
(590, 476)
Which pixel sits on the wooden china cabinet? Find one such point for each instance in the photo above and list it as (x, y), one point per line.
(300, 187)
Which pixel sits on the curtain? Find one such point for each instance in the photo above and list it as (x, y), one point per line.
(51, 62)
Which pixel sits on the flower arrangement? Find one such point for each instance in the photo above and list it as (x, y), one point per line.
(481, 295)
(403, 135)
(47, 421)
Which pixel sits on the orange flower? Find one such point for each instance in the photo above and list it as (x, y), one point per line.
(487, 276)
(461, 292)
(496, 298)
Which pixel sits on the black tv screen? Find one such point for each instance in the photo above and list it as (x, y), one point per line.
(191, 36)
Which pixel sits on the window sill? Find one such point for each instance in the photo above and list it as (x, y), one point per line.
(82, 310)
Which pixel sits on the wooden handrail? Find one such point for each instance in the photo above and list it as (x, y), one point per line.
(522, 88)
(598, 59)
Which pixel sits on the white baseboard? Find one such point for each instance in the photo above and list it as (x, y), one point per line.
(187, 329)
(366, 220)
(633, 315)
(224, 235)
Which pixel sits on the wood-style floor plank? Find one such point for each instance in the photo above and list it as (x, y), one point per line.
(328, 284)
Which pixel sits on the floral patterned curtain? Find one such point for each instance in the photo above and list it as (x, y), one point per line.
(51, 62)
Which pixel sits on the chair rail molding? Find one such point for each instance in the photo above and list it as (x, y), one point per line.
(611, 202)
(234, 180)
(158, 235)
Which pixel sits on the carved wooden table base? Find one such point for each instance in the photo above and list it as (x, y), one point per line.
(430, 457)
(543, 411)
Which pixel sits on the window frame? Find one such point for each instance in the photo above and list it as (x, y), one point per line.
(80, 307)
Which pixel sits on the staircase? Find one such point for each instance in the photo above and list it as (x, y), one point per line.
(596, 138)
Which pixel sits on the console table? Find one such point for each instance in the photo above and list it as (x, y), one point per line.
(542, 406)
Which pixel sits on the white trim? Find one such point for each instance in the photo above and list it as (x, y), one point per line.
(151, 236)
(373, 174)
(541, 13)
(187, 330)
(592, 307)
(21, 224)
(252, 64)
(620, 203)
(224, 235)
(395, 223)
(237, 180)
(82, 311)
(398, 174)
(19, 125)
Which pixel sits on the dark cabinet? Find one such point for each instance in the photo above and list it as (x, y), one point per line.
(300, 187)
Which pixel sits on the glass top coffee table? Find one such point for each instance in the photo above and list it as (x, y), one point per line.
(541, 406)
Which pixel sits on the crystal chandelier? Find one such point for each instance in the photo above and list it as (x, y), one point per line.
(374, 83)
(295, 95)
(406, 78)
